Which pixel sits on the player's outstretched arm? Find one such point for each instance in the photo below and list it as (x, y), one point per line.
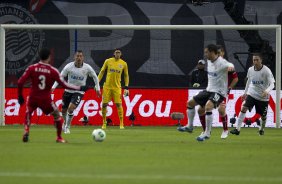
(230, 67)
(59, 78)
(233, 82)
(64, 73)
(21, 82)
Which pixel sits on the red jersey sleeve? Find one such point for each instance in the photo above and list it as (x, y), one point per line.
(22, 80)
(62, 82)
(234, 75)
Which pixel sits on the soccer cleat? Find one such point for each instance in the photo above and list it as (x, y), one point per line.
(185, 129)
(202, 134)
(121, 127)
(203, 137)
(25, 137)
(235, 131)
(61, 140)
(261, 132)
(67, 130)
(104, 126)
(224, 134)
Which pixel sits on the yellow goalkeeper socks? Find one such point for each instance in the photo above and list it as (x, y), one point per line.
(104, 113)
(120, 115)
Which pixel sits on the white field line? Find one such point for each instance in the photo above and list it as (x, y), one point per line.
(141, 177)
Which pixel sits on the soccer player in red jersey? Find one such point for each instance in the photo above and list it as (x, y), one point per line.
(42, 76)
(232, 81)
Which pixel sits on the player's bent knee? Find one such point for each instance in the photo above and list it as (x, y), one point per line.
(222, 106)
(56, 114)
(70, 111)
(222, 111)
(71, 108)
(209, 106)
(104, 105)
(191, 103)
(118, 105)
(64, 111)
(263, 118)
(201, 110)
(244, 109)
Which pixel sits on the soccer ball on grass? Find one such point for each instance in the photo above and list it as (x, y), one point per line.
(98, 135)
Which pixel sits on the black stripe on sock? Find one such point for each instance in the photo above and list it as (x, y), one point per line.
(208, 113)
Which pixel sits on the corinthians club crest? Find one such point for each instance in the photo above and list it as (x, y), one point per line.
(21, 45)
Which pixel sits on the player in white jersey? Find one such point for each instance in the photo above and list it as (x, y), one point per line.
(260, 82)
(213, 95)
(77, 73)
(232, 80)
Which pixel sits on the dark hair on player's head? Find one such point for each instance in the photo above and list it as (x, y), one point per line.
(80, 51)
(44, 53)
(220, 47)
(117, 49)
(258, 54)
(212, 48)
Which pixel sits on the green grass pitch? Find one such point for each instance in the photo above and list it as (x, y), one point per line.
(140, 155)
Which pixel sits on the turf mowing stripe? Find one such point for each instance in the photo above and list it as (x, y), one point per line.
(142, 177)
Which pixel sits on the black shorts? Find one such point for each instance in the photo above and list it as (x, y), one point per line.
(204, 96)
(73, 98)
(261, 106)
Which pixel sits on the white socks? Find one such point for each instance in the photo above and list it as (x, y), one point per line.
(68, 120)
(262, 124)
(64, 115)
(190, 115)
(209, 120)
(240, 120)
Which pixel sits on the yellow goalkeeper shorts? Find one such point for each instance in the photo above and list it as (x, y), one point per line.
(109, 94)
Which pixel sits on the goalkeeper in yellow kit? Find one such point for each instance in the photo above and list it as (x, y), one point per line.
(112, 87)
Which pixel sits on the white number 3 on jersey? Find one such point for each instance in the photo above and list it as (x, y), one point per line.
(42, 83)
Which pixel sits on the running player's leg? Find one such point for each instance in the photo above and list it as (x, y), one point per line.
(214, 100)
(223, 118)
(202, 117)
(106, 98)
(104, 115)
(199, 99)
(66, 102)
(240, 120)
(49, 107)
(58, 121)
(117, 100)
(261, 108)
(247, 105)
(75, 100)
(120, 114)
(190, 114)
(64, 116)
(30, 107)
(209, 117)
